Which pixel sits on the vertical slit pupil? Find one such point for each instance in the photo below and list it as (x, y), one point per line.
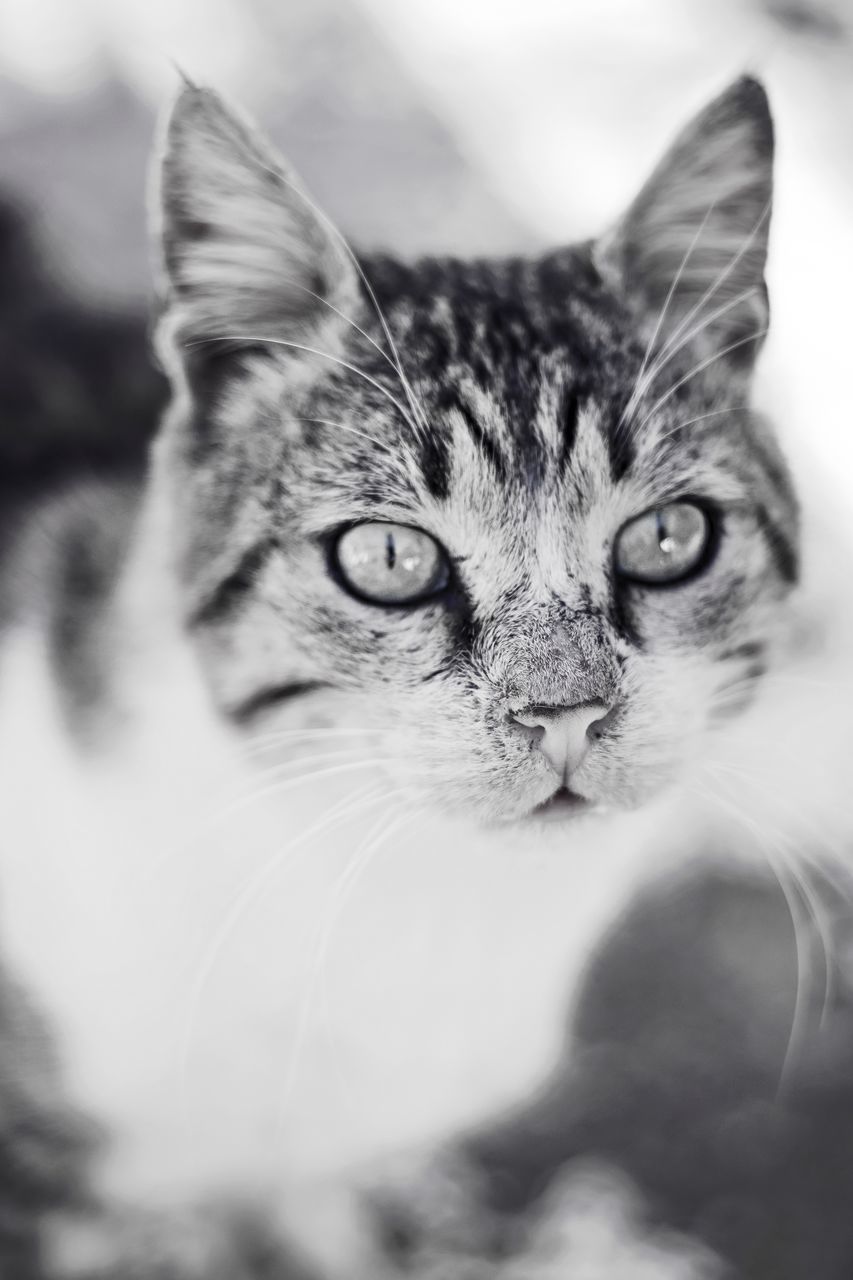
(390, 551)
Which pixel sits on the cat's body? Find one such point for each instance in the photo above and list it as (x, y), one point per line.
(253, 989)
(376, 1018)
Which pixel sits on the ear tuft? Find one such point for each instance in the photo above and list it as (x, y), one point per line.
(245, 252)
(691, 250)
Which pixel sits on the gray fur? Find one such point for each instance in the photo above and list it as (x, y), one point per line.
(538, 406)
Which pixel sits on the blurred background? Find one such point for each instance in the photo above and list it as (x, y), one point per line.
(481, 127)
(427, 125)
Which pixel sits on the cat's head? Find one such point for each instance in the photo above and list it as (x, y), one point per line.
(516, 517)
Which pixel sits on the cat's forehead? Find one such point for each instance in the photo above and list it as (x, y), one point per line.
(486, 363)
(497, 387)
(505, 323)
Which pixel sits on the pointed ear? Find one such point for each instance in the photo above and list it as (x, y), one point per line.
(692, 247)
(245, 253)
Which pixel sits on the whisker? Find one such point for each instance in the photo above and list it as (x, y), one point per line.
(247, 800)
(340, 813)
(721, 278)
(827, 868)
(403, 456)
(282, 787)
(341, 891)
(344, 243)
(810, 682)
(801, 858)
(797, 1035)
(810, 896)
(698, 368)
(733, 693)
(314, 351)
(321, 731)
(797, 869)
(252, 751)
(715, 413)
(676, 340)
(350, 431)
(760, 777)
(798, 1030)
(339, 756)
(294, 284)
(692, 334)
(639, 387)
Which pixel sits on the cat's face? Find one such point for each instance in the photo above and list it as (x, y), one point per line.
(515, 519)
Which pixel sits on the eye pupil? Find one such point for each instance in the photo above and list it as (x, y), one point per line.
(394, 564)
(663, 545)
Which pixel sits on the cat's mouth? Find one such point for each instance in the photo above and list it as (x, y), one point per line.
(562, 804)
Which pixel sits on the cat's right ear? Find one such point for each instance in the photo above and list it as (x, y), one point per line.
(246, 255)
(690, 252)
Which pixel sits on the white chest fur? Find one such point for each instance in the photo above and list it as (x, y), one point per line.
(248, 991)
(244, 1001)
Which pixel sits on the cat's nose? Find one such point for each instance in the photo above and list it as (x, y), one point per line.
(562, 733)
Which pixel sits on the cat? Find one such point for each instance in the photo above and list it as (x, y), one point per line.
(494, 571)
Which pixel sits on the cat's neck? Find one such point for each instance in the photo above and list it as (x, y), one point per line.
(218, 972)
(213, 970)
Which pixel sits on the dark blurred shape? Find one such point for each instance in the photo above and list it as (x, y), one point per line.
(675, 1075)
(826, 21)
(78, 166)
(79, 394)
(45, 1147)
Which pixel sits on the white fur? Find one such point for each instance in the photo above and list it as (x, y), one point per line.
(440, 992)
(445, 967)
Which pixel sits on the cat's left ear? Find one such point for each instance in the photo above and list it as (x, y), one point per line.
(246, 255)
(690, 252)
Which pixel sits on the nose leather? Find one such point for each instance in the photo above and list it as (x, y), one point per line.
(563, 732)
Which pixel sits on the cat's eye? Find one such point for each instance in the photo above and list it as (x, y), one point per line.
(665, 545)
(391, 564)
